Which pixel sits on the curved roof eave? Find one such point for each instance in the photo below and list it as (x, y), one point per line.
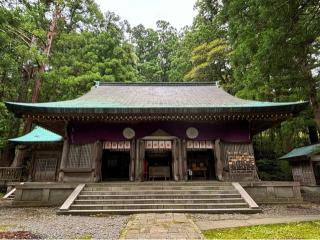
(38, 135)
(78, 108)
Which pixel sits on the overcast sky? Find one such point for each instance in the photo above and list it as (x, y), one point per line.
(178, 12)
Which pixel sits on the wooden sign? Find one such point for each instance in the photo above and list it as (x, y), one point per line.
(149, 145)
(121, 145)
(209, 145)
(190, 144)
(107, 145)
(199, 144)
(162, 145)
(202, 144)
(114, 145)
(126, 145)
(117, 145)
(158, 144)
(168, 144)
(155, 144)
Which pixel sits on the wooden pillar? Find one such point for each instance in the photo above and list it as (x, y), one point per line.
(132, 160)
(96, 163)
(219, 164)
(175, 156)
(64, 159)
(184, 160)
(180, 167)
(33, 164)
(94, 153)
(137, 159)
(180, 157)
(142, 152)
(20, 153)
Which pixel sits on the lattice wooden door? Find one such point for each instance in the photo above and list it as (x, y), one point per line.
(45, 167)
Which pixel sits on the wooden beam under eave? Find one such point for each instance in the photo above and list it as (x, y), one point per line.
(57, 126)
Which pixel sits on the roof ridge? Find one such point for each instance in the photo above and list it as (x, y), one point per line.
(156, 83)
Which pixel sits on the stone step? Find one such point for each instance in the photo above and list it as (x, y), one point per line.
(11, 197)
(154, 188)
(135, 211)
(159, 206)
(159, 196)
(159, 183)
(154, 201)
(147, 192)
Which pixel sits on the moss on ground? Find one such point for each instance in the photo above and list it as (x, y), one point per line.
(6, 227)
(85, 237)
(298, 230)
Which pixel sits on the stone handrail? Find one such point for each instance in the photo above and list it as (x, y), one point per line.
(10, 173)
(72, 197)
(252, 204)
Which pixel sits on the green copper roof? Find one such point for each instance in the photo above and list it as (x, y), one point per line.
(38, 134)
(302, 151)
(155, 98)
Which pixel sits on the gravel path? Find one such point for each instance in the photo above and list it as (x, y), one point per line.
(45, 223)
(271, 214)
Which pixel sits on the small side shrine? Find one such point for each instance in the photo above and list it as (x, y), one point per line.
(305, 164)
(43, 155)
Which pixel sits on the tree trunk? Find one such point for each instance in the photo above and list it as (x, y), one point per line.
(20, 154)
(313, 99)
(313, 134)
(42, 66)
(311, 85)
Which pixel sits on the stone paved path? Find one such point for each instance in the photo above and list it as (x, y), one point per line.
(161, 226)
(214, 224)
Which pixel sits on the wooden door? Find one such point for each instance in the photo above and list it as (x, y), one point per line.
(45, 166)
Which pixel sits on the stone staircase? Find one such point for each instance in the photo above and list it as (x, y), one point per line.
(10, 195)
(184, 197)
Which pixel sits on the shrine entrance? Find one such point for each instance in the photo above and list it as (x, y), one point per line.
(115, 165)
(115, 161)
(158, 160)
(158, 165)
(200, 160)
(200, 165)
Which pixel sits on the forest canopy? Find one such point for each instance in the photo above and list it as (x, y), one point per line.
(262, 50)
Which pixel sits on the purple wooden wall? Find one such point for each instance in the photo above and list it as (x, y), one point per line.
(88, 132)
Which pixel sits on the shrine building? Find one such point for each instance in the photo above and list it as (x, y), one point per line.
(148, 131)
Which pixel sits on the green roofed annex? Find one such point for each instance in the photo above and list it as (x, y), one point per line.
(302, 152)
(305, 164)
(38, 135)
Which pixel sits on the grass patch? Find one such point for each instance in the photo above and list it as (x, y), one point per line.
(298, 230)
(2, 194)
(85, 237)
(4, 228)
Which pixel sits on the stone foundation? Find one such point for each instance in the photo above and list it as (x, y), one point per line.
(34, 194)
(55, 193)
(273, 191)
